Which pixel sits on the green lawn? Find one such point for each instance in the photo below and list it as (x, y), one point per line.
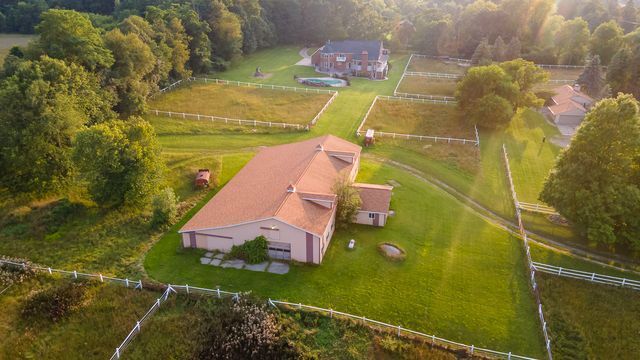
(93, 331)
(404, 117)
(463, 278)
(7, 41)
(165, 126)
(421, 64)
(427, 86)
(238, 102)
(589, 321)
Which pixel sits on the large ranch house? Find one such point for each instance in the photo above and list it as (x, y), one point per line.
(355, 58)
(286, 194)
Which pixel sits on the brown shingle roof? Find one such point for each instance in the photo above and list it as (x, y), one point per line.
(375, 198)
(259, 190)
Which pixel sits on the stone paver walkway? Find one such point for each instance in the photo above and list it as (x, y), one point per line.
(273, 267)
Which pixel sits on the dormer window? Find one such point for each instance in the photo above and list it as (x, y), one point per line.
(319, 147)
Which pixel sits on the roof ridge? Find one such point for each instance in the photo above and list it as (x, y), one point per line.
(315, 154)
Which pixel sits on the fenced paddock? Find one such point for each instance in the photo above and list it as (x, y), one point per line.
(418, 119)
(587, 276)
(426, 88)
(242, 104)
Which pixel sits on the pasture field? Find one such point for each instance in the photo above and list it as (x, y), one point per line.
(564, 74)
(403, 117)
(427, 86)
(590, 321)
(420, 64)
(463, 278)
(240, 102)
(319, 336)
(7, 41)
(93, 330)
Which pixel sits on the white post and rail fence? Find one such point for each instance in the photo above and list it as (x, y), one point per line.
(246, 122)
(530, 265)
(194, 290)
(443, 139)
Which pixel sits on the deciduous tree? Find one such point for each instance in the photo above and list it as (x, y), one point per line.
(348, 200)
(572, 42)
(606, 40)
(120, 161)
(69, 35)
(42, 106)
(595, 182)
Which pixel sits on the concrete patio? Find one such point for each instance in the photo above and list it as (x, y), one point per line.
(273, 267)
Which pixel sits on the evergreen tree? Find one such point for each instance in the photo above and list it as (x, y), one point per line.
(499, 50)
(592, 78)
(482, 56)
(629, 17)
(595, 183)
(514, 49)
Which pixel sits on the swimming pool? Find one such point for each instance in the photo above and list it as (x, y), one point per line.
(324, 81)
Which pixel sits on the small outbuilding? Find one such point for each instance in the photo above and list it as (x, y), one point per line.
(202, 178)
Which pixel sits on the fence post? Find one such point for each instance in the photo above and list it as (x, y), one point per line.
(331, 313)
(187, 287)
(126, 281)
(118, 353)
(49, 271)
(75, 274)
(472, 348)
(218, 290)
(138, 326)
(399, 329)
(101, 278)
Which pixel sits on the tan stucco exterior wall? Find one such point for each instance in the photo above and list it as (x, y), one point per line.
(363, 218)
(225, 238)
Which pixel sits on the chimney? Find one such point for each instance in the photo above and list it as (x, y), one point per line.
(576, 87)
(364, 61)
(291, 188)
(319, 147)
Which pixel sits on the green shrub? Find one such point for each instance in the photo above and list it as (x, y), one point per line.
(54, 303)
(12, 274)
(253, 251)
(165, 208)
(60, 213)
(242, 329)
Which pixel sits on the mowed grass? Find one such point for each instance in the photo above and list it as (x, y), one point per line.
(420, 64)
(404, 117)
(7, 41)
(427, 86)
(239, 102)
(590, 321)
(93, 331)
(165, 126)
(463, 278)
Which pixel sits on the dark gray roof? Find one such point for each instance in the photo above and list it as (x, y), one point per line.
(355, 47)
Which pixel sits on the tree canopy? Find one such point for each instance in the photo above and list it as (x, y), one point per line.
(42, 106)
(120, 161)
(596, 181)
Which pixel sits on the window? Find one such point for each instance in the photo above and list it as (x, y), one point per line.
(279, 250)
(372, 215)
